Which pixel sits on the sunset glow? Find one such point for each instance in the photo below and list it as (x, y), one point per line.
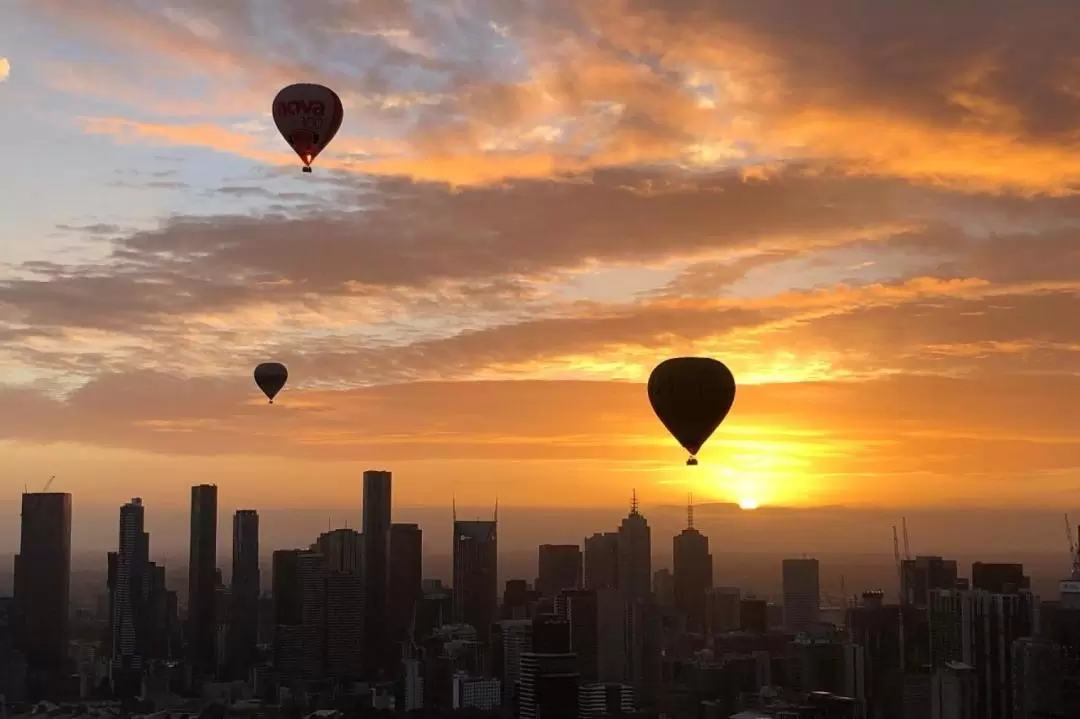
(475, 281)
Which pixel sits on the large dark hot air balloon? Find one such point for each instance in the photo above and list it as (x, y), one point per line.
(308, 117)
(691, 396)
(271, 377)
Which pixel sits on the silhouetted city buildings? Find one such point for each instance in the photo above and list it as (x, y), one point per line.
(203, 581)
(476, 566)
(682, 647)
(559, 568)
(42, 589)
(244, 616)
(376, 529)
(693, 574)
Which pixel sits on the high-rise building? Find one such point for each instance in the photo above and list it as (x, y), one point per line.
(922, 574)
(602, 561)
(663, 588)
(476, 569)
(343, 549)
(376, 557)
(43, 586)
(693, 574)
(722, 609)
(510, 639)
(753, 615)
(287, 597)
(802, 594)
(559, 568)
(244, 619)
(597, 632)
(605, 700)
(979, 629)
(128, 622)
(998, 578)
(549, 676)
(202, 580)
(405, 582)
(635, 555)
(344, 625)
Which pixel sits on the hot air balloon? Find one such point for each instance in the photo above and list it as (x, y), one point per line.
(271, 377)
(691, 396)
(308, 116)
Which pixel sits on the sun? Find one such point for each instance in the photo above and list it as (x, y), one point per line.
(747, 503)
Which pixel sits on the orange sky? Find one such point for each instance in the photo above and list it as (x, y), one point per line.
(868, 214)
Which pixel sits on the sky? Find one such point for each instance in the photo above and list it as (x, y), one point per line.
(867, 209)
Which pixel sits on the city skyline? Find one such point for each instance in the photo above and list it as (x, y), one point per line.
(516, 223)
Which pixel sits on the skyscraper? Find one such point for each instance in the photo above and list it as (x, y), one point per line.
(202, 579)
(559, 568)
(476, 589)
(405, 581)
(43, 586)
(802, 594)
(343, 549)
(244, 619)
(128, 622)
(602, 561)
(693, 574)
(635, 555)
(376, 555)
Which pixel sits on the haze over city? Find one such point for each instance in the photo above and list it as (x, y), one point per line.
(523, 213)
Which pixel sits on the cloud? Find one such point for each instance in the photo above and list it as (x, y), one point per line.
(5, 69)
(961, 96)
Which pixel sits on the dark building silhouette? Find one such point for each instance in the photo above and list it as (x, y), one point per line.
(753, 615)
(998, 578)
(343, 549)
(802, 594)
(693, 574)
(287, 612)
(376, 544)
(406, 578)
(635, 555)
(43, 587)
(476, 566)
(129, 589)
(203, 580)
(244, 619)
(559, 568)
(922, 574)
(602, 561)
(516, 598)
(549, 676)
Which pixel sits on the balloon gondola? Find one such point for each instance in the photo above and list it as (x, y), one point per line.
(691, 396)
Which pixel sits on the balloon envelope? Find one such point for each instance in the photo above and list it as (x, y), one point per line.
(271, 377)
(691, 396)
(308, 116)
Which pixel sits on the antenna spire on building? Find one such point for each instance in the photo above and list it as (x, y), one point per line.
(690, 511)
(496, 508)
(453, 506)
(633, 502)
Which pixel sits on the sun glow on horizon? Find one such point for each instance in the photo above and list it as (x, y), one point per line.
(748, 504)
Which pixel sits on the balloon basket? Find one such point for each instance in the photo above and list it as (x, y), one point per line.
(306, 169)
(692, 462)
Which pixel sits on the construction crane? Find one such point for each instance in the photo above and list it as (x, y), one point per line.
(900, 593)
(1074, 557)
(44, 488)
(907, 547)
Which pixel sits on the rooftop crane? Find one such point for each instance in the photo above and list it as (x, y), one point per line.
(1074, 558)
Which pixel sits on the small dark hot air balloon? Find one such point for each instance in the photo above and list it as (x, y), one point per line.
(308, 116)
(691, 396)
(271, 377)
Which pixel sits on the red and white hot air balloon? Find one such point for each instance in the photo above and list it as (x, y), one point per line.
(308, 116)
